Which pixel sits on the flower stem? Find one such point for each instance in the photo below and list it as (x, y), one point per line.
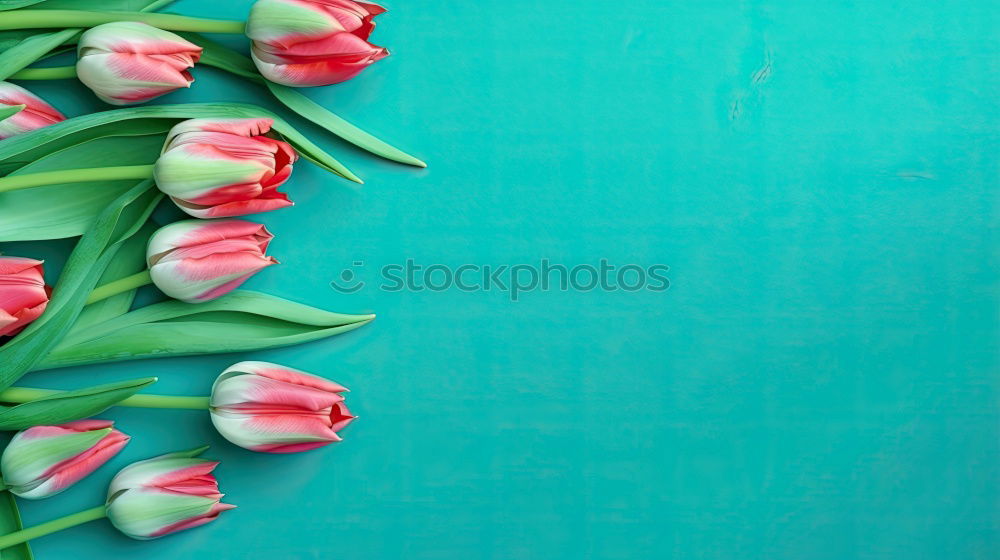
(118, 286)
(30, 180)
(28, 394)
(34, 19)
(24, 535)
(51, 73)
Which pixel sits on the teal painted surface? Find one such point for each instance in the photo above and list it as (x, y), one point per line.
(820, 381)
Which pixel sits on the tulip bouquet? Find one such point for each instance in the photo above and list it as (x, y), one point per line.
(99, 177)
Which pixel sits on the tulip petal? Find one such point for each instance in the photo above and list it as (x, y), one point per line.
(45, 460)
(36, 113)
(147, 513)
(131, 62)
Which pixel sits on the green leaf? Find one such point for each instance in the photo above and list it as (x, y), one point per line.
(15, 4)
(10, 521)
(240, 321)
(223, 57)
(131, 258)
(93, 253)
(139, 127)
(66, 406)
(15, 148)
(66, 210)
(10, 110)
(31, 49)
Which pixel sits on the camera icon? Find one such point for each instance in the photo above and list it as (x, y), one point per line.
(348, 282)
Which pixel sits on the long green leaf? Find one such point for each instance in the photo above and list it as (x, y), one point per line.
(14, 148)
(31, 49)
(240, 321)
(66, 210)
(10, 521)
(66, 406)
(138, 127)
(220, 56)
(86, 264)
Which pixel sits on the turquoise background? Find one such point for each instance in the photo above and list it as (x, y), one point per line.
(819, 382)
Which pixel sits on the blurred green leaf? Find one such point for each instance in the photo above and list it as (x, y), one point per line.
(15, 4)
(66, 406)
(66, 210)
(240, 321)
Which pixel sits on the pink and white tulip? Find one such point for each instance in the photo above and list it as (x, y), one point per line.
(128, 62)
(163, 495)
(200, 260)
(45, 460)
(312, 42)
(23, 293)
(277, 409)
(35, 114)
(217, 168)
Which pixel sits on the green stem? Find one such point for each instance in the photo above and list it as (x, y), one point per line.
(28, 394)
(30, 180)
(52, 73)
(118, 286)
(34, 19)
(24, 535)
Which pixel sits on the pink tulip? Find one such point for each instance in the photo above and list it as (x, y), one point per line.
(312, 42)
(127, 62)
(45, 460)
(23, 293)
(277, 409)
(199, 260)
(36, 113)
(163, 495)
(216, 168)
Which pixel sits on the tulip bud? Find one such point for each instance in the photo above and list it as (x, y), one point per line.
(165, 494)
(312, 42)
(45, 460)
(127, 62)
(216, 168)
(199, 260)
(36, 113)
(267, 407)
(23, 293)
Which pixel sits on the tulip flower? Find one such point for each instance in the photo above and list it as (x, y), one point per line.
(312, 42)
(23, 293)
(257, 405)
(128, 62)
(217, 168)
(163, 495)
(277, 409)
(200, 260)
(34, 113)
(45, 460)
(148, 499)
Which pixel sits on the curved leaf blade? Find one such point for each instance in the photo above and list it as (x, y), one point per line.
(240, 321)
(66, 406)
(10, 521)
(66, 210)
